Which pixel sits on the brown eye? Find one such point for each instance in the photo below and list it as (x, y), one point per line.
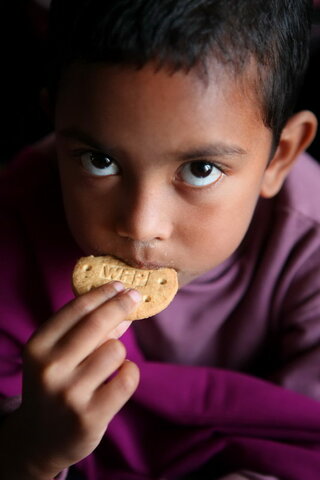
(200, 173)
(99, 164)
(201, 169)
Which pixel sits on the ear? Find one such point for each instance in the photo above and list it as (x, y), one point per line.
(296, 136)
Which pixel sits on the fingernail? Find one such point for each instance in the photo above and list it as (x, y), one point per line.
(135, 296)
(119, 287)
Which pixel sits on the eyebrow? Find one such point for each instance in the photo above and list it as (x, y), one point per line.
(212, 150)
(83, 137)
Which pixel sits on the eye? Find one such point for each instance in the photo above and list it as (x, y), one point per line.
(200, 173)
(99, 164)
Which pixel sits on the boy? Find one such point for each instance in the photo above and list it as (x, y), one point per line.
(176, 145)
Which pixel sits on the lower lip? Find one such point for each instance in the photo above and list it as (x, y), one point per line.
(144, 266)
(136, 263)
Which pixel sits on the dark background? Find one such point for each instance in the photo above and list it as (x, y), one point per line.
(22, 54)
(22, 50)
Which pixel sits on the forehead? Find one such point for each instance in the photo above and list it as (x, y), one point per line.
(156, 104)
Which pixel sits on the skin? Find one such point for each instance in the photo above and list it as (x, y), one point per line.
(68, 398)
(148, 209)
(148, 215)
(152, 125)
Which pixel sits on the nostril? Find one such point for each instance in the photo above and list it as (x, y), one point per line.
(141, 218)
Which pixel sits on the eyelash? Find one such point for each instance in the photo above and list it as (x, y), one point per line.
(79, 154)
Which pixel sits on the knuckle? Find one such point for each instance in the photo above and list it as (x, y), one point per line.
(86, 303)
(34, 361)
(49, 372)
(125, 303)
(129, 378)
(96, 322)
(82, 305)
(32, 350)
(116, 349)
(71, 400)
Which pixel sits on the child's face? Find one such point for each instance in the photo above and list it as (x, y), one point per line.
(159, 169)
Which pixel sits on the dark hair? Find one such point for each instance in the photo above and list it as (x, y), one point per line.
(187, 34)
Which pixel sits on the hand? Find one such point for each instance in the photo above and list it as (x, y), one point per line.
(70, 391)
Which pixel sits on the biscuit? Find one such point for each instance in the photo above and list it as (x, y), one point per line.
(157, 287)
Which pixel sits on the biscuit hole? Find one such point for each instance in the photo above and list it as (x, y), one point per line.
(147, 299)
(162, 281)
(86, 268)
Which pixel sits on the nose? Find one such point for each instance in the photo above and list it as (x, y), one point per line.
(143, 214)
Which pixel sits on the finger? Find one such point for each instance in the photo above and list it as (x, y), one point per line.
(110, 397)
(120, 329)
(71, 313)
(98, 367)
(94, 329)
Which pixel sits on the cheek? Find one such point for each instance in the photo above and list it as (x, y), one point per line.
(219, 229)
(86, 207)
(83, 215)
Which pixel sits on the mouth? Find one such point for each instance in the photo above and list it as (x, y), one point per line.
(144, 265)
(141, 264)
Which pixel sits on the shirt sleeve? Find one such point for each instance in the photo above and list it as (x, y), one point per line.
(9, 405)
(62, 475)
(17, 321)
(298, 342)
(247, 476)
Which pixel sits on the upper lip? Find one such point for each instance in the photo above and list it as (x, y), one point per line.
(140, 263)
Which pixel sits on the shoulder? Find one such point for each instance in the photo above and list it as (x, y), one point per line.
(32, 216)
(32, 169)
(283, 240)
(300, 195)
(38, 251)
(29, 199)
(30, 194)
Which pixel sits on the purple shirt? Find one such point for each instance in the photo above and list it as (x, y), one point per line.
(258, 312)
(210, 362)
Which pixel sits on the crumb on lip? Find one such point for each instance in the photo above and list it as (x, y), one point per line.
(138, 264)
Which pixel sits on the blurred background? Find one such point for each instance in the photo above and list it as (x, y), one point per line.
(23, 27)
